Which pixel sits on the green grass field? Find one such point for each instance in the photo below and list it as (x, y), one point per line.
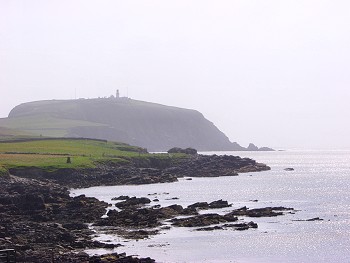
(51, 154)
(3, 171)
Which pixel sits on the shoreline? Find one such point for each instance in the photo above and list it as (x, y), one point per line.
(43, 205)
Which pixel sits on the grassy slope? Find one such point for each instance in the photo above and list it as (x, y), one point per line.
(43, 125)
(36, 121)
(52, 154)
(10, 133)
(154, 126)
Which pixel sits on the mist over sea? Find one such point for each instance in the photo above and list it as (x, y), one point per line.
(318, 187)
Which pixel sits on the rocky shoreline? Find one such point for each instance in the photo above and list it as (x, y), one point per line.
(139, 218)
(44, 224)
(141, 171)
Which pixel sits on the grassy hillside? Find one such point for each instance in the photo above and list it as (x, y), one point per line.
(42, 125)
(52, 154)
(150, 125)
(8, 133)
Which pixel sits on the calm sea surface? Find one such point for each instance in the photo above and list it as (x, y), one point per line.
(318, 187)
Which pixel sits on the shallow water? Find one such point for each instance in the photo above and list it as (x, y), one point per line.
(318, 187)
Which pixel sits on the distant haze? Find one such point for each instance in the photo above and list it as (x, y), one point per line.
(271, 72)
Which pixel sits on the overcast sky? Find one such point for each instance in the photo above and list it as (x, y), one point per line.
(272, 72)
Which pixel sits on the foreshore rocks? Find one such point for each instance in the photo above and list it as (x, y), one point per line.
(260, 212)
(238, 226)
(133, 201)
(215, 165)
(44, 224)
(203, 220)
(148, 171)
(138, 221)
(101, 175)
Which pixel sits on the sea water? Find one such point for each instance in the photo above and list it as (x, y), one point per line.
(318, 187)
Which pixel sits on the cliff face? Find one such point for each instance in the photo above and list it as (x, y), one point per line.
(153, 126)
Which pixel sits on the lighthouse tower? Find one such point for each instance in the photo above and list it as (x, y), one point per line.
(117, 94)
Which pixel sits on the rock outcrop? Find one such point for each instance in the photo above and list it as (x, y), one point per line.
(44, 224)
(214, 165)
(136, 221)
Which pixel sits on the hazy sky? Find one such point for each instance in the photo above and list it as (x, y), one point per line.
(272, 72)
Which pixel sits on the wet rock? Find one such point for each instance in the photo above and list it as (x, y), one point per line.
(142, 217)
(219, 204)
(310, 220)
(202, 220)
(242, 226)
(239, 227)
(259, 212)
(121, 197)
(210, 228)
(50, 228)
(315, 219)
(199, 205)
(213, 205)
(213, 166)
(140, 234)
(133, 201)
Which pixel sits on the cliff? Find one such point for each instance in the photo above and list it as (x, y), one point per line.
(153, 126)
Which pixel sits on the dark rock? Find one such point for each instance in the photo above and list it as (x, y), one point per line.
(170, 211)
(242, 226)
(289, 169)
(315, 219)
(213, 166)
(239, 227)
(75, 225)
(121, 197)
(140, 234)
(202, 220)
(180, 150)
(211, 228)
(173, 198)
(133, 201)
(49, 230)
(310, 220)
(219, 204)
(259, 212)
(199, 205)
